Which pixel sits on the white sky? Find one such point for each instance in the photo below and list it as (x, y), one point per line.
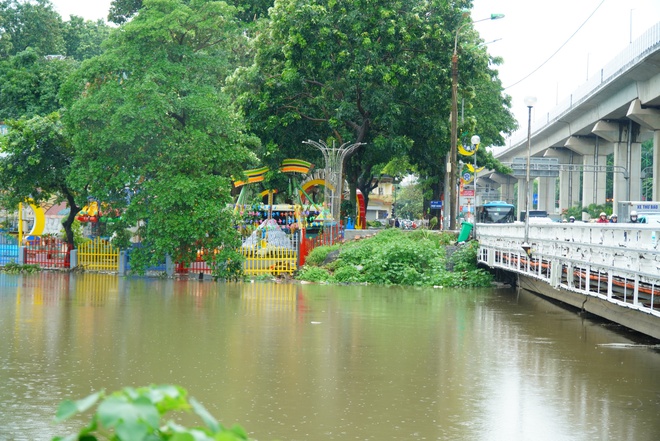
(529, 34)
(89, 9)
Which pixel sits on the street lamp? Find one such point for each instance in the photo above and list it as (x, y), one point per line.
(451, 166)
(529, 102)
(475, 141)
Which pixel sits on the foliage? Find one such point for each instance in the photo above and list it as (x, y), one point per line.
(347, 274)
(312, 274)
(83, 39)
(14, 268)
(365, 71)
(32, 24)
(318, 254)
(374, 224)
(394, 257)
(29, 84)
(155, 131)
(36, 165)
(409, 202)
(136, 414)
(78, 236)
(593, 210)
(465, 257)
(122, 10)
(226, 264)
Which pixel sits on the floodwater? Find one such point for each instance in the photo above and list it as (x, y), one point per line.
(312, 362)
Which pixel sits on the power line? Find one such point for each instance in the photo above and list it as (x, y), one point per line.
(560, 48)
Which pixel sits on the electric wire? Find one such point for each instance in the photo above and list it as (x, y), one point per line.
(557, 51)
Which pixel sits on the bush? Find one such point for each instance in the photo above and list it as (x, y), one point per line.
(347, 274)
(313, 274)
(14, 268)
(318, 254)
(135, 414)
(394, 257)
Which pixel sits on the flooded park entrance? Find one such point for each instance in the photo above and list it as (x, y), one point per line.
(319, 362)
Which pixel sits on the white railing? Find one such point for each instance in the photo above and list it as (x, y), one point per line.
(618, 263)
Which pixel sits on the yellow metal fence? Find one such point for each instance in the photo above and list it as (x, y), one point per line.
(99, 255)
(269, 260)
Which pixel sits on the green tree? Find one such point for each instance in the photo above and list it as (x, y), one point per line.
(83, 38)
(36, 164)
(375, 72)
(409, 202)
(149, 118)
(32, 24)
(30, 83)
(122, 10)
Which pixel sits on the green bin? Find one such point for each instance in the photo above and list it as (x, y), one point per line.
(466, 229)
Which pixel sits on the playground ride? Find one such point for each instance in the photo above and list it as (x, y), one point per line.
(38, 224)
(271, 227)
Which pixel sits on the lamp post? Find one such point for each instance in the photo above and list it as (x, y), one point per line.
(451, 166)
(475, 141)
(529, 102)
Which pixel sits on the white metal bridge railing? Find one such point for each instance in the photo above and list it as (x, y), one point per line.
(619, 263)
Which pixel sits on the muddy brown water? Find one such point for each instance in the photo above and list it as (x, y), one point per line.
(316, 362)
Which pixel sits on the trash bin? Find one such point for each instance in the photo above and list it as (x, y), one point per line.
(466, 229)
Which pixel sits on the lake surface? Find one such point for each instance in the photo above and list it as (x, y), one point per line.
(314, 362)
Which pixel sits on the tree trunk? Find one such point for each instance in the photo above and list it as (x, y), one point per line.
(68, 222)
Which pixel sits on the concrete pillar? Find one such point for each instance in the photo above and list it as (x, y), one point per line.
(169, 265)
(625, 136)
(649, 119)
(630, 157)
(73, 259)
(569, 179)
(486, 190)
(508, 191)
(123, 262)
(521, 195)
(547, 190)
(594, 153)
(593, 182)
(507, 186)
(656, 165)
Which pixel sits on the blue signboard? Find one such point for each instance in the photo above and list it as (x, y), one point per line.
(436, 205)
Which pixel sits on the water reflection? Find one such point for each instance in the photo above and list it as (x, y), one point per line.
(310, 362)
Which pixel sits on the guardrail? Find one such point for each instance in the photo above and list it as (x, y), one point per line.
(618, 263)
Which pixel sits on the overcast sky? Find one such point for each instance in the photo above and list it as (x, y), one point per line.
(533, 30)
(527, 37)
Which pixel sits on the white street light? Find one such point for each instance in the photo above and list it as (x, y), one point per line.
(529, 102)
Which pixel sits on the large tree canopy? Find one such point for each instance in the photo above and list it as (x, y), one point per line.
(122, 10)
(32, 24)
(376, 72)
(35, 164)
(30, 83)
(149, 120)
(83, 38)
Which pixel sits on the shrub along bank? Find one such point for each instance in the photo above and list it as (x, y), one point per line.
(394, 257)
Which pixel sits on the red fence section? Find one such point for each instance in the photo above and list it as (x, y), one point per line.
(329, 236)
(47, 253)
